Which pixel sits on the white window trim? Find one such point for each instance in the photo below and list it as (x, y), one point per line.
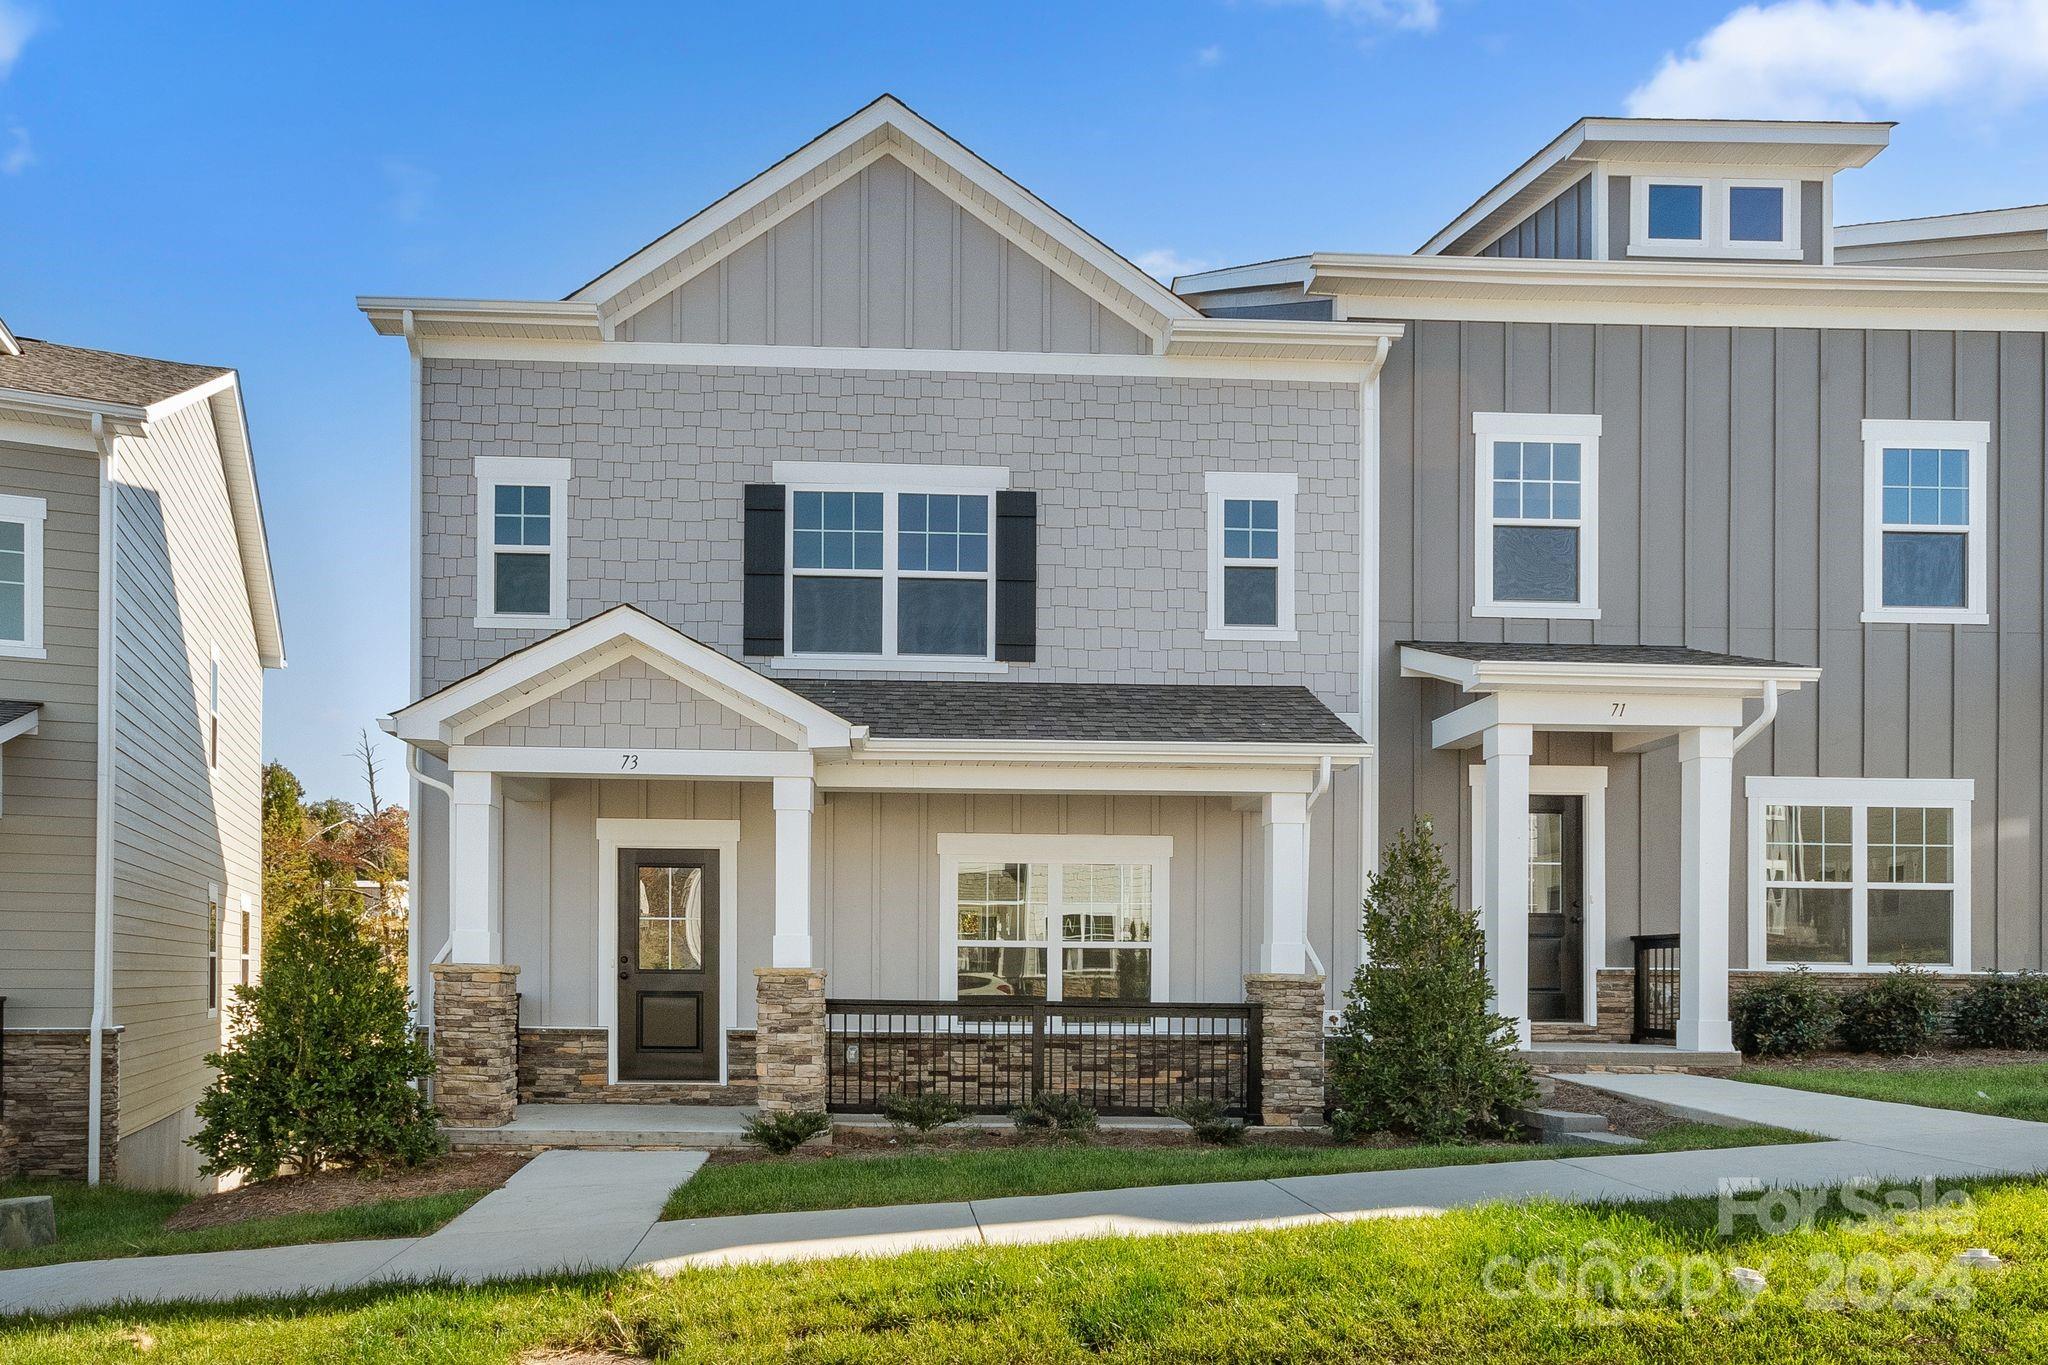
(249, 935)
(1860, 793)
(31, 513)
(492, 471)
(1975, 437)
(213, 689)
(890, 480)
(216, 929)
(1590, 784)
(1153, 850)
(1583, 428)
(1222, 485)
(1714, 239)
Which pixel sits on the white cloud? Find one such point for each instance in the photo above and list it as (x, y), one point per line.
(19, 154)
(1163, 263)
(1420, 15)
(412, 188)
(1852, 59)
(17, 26)
(1209, 56)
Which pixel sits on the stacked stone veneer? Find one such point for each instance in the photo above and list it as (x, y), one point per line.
(789, 1037)
(993, 1073)
(43, 1110)
(476, 1043)
(1291, 1084)
(1617, 1000)
(570, 1066)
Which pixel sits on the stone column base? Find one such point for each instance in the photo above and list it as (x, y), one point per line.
(789, 1037)
(1290, 1047)
(43, 1110)
(476, 1043)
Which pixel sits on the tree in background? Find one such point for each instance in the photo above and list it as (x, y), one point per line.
(335, 845)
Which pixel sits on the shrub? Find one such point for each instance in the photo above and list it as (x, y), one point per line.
(1054, 1115)
(924, 1112)
(785, 1131)
(1787, 1015)
(1206, 1118)
(2004, 1010)
(1899, 1014)
(324, 1066)
(1421, 1050)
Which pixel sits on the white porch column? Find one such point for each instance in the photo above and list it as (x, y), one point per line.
(1504, 887)
(476, 833)
(795, 798)
(1706, 766)
(1285, 817)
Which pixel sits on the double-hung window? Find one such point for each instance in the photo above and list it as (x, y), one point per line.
(1055, 917)
(891, 563)
(1537, 548)
(1251, 555)
(1677, 215)
(522, 542)
(213, 711)
(1856, 873)
(215, 925)
(1925, 551)
(21, 575)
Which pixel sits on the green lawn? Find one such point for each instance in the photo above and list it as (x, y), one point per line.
(96, 1223)
(1060, 1168)
(2017, 1090)
(1399, 1289)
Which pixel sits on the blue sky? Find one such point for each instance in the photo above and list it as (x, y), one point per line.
(216, 183)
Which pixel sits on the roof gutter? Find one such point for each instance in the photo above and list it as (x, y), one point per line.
(1764, 717)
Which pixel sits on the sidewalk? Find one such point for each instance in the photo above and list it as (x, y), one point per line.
(599, 1210)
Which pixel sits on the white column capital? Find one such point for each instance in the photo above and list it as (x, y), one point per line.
(796, 793)
(1284, 808)
(1706, 741)
(1509, 740)
(476, 788)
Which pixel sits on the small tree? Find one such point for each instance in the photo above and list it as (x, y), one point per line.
(1420, 1050)
(324, 1066)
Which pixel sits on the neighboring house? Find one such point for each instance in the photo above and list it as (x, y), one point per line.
(877, 584)
(137, 615)
(1990, 239)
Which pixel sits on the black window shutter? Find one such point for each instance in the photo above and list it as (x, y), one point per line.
(1017, 576)
(764, 558)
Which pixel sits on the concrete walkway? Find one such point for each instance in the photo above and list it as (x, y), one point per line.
(598, 1210)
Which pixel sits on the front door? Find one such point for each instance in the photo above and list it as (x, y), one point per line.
(668, 964)
(1556, 909)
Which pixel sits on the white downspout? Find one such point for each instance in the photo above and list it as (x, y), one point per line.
(1368, 628)
(422, 989)
(1763, 717)
(103, 806)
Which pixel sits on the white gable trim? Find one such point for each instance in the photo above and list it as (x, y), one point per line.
(582, 650)
(889, 128)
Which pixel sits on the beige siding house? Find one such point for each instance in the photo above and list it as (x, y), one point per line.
(137, 615)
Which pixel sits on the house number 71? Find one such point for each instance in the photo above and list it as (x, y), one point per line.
(628, 762)
(1619, 708)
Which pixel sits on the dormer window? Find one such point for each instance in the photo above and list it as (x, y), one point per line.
(1714, 216)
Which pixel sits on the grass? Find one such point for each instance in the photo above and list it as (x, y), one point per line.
(1056, 1168)
(1398, 1289)
(2015, 1090)
(97, 1223)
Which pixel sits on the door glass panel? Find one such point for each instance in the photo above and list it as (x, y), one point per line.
(1546, 863)
(671, 919)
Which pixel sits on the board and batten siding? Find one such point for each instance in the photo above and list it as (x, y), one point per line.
(47, 820)
(876, 895)
(1561, 229)
(1731, 516)
(178, 824)
(884, 259)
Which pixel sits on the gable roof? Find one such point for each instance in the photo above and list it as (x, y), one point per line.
(1143, 713)
(885, 127)
(46, 368)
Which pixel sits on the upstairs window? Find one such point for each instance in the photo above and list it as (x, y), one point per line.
(214, 927)
(21, 575)
(1536, 552)
(522, 542)
(213, 711)
(883, 573)
(1251, 556)
(1925, 500)
(1714, 216)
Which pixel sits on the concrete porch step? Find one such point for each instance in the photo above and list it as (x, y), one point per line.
(599, 1127)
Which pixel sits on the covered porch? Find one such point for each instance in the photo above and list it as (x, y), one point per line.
(1538, 866)
(658, 860)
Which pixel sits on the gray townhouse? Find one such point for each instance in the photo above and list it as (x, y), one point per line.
(874, 637)
(137, 618)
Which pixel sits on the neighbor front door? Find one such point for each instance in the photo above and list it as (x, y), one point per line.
(668, 964)
(1556, 909)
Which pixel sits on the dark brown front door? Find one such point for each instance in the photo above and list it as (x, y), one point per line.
(1556, 909)
(668, 964)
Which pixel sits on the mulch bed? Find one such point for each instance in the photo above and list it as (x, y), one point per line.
(328, 1190)
(1623, 1115)
(1932, 1059)
(864, 1143)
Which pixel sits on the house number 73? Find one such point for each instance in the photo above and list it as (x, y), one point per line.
(628, 762)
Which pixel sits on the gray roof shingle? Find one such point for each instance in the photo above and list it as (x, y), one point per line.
(1135, 712)
(12, 711)
(45, 367)
(1593, 654)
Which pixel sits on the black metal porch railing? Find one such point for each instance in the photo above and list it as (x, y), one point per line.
(989, 1056)
(1656, 988)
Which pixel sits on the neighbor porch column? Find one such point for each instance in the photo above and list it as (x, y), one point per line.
(789, 996)
(1706, 767)
(1285, 949)
(476, 996)
(1288, 995)
(1504, 883)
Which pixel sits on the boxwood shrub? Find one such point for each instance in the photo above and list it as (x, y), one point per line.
(1895, 1015)
(1788, 1015)
(2004, 1009)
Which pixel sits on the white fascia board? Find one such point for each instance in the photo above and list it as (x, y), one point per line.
(625, 761)
(1257, 275)
(1486, 675)
(1174, 753)
(2031, 218)
(21, 725)
(8, 345)
(1857, 141)
(223, 398)
(966, 775)
(391, 315)
(48, 435)
(1365, 343)
(57, 405)
(1559, 149)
